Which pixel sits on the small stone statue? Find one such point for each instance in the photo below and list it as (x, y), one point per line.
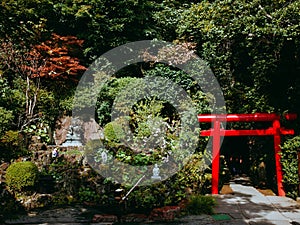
(54, 153)
(104, 157)
(73, 136)
(156, 173)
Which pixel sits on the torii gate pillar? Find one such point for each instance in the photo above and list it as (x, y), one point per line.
(277, 149)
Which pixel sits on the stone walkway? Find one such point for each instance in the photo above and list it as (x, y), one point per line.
(246, 205)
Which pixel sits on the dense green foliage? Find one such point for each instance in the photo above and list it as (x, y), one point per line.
(22, 176)
(289, 160)
(102, 24)
(107, 96)
(6, 119)
(252, 48)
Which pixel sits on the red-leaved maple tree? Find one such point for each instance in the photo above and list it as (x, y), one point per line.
(59, 56)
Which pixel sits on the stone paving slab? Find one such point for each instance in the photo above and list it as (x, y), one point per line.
(196, 219)
(236, 216)
(266, 215)
(283, 203)
(292, 215)
(225, 208)
(267, 222)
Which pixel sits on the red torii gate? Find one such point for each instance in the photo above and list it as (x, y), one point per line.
(216, 132)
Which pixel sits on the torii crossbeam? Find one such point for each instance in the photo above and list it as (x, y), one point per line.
(216, 132)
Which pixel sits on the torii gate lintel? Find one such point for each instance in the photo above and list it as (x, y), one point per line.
(216, 132)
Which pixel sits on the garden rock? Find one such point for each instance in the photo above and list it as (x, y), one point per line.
(104, 218)
(166, 213)
(3, 168)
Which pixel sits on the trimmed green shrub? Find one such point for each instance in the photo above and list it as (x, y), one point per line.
(200, 204)
(21, 176)
(113, 132)
(289, 163)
